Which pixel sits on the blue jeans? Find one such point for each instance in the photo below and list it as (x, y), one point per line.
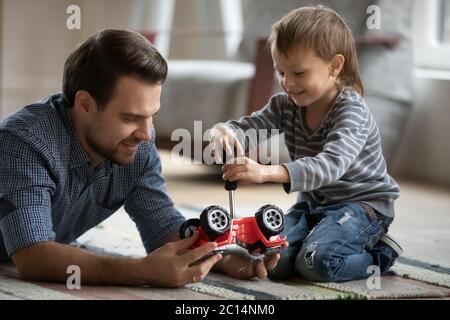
(333, 243)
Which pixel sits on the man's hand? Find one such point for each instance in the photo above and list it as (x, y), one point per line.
(242, 268)
(174, 265)
(223, 138)
(246, 171)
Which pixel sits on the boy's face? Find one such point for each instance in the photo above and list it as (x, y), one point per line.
(116, 131)
(303, 75)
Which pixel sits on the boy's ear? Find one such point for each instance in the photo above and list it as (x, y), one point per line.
(337, 63)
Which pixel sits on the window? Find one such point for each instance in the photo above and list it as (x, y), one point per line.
(432, 34)
(232, 25)
(444, 22)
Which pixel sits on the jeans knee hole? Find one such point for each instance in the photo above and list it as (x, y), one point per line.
(347, 216)
(309, 255)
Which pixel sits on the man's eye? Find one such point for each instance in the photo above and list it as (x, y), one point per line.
(298, 73)
(281, 74)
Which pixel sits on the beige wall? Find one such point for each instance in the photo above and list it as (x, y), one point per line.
(36, 43)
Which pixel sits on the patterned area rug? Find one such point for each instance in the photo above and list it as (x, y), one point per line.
(408, 278)
(117, 236)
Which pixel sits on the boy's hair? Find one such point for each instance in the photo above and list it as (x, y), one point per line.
(97, 64)
(322, 30)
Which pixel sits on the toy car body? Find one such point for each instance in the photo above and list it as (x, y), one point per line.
(254, 237)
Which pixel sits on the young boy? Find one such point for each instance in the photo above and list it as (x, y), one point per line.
(337, 229)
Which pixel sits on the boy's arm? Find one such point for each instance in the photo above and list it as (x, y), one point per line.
(249, 171)
(270, 117)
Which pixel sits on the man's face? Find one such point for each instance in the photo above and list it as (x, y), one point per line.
(116, 131)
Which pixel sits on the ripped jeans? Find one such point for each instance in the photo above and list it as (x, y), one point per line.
(332, 244)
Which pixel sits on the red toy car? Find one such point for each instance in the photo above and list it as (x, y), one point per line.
(254, 237)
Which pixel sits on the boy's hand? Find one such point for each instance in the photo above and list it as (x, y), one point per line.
(246, 170)
(242, 268)
(223, 138)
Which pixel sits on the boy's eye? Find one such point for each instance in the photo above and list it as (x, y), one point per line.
(281, 74)
(298, 73)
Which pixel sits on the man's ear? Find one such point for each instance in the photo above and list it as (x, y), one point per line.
(84, 101)
(337, 63)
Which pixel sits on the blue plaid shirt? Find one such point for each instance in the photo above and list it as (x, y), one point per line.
(50, 192)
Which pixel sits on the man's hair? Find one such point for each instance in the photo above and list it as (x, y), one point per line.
(322, 30)
(97, 64)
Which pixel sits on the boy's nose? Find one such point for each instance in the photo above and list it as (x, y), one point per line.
(289, 83)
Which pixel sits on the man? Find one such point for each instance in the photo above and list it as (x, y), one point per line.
(71, 160)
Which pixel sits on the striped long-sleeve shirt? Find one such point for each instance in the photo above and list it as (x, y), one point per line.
(340, 161)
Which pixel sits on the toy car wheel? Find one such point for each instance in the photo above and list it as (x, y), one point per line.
(270, 220)
(215, 221)
(188, 228)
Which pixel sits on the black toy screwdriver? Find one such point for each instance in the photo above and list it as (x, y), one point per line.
(230, 186)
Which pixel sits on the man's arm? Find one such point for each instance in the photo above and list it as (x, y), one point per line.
(169, 266)
(48, 261)
(148, 203)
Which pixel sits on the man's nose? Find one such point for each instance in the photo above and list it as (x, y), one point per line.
(145, 131)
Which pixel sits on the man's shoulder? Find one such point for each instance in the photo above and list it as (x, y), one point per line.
(36, 124)
(36, 116)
